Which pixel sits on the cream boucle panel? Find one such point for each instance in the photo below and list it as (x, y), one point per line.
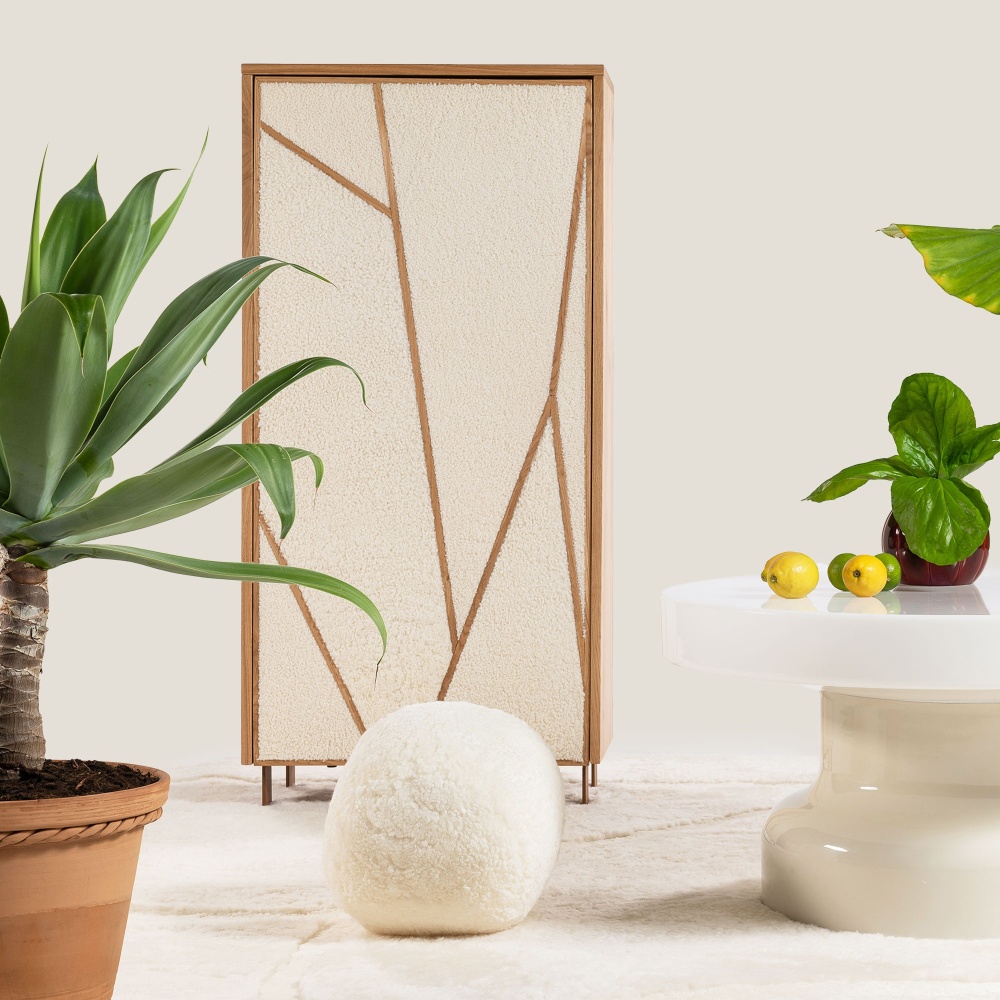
(572, 396)
(522, 654)
(371, 522)
(484, 176)
(335, 122)
(301, 715)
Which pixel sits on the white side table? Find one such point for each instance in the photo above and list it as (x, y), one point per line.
(900, 833)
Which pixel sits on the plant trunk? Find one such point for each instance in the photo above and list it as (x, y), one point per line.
(24, 612)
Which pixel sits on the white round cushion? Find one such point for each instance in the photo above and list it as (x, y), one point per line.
(446, 820)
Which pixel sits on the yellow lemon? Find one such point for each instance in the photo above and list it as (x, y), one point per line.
(865, 576)
(770, 562)
(792, 574)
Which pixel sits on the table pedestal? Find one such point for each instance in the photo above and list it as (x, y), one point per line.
(900, 834)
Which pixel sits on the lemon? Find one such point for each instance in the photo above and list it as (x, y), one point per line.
(767, 565)
(865, 576)
(894, 571)
(792, 574)
(835, 571)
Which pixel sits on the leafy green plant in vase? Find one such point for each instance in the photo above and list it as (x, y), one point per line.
(939, 525)
(65, 410)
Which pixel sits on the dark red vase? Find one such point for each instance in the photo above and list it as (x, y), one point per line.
(919, 573)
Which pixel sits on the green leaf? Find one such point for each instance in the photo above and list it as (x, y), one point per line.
(928, 413)
(50, 391)
(108, 264)
(273, 467)
(56, 555)
(186, 307)
(78, 214)
(86, 490)
(32, 274)
(964, 262)
(975, 498)
(253, 398)
(972, 450)
(159, 228)
(144, 393)
(854, 476)
(115, 374)
(166, 493)
(4, 325)
(10, 524)
(942, 521)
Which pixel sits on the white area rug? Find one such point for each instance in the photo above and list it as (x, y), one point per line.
(655, 894)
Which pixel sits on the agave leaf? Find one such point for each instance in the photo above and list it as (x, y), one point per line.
(273, 467)
(51, 381)
(55, 555)
(190, 304)
(142, 395)
(108, 264)
(86, 490)
(78, 214)
(32, 274)
(253, 398)
(115, 374)
(964, 262)
(153, 496)
(10, 524)
(4, 325)
(159, 228)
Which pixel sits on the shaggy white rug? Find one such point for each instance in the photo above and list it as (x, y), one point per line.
(655, 894)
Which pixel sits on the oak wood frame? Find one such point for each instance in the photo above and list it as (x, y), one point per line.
(597, 652)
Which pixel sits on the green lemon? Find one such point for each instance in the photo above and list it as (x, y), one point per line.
(892, 569)
(835, 571)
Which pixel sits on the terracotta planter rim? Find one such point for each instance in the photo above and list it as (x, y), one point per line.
(83, 810)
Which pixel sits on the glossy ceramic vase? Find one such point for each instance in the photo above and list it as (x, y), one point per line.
(918, 572)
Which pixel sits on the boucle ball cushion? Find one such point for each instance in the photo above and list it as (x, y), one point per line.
(446, 820)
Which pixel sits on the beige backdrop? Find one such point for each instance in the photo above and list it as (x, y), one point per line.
(762, 325)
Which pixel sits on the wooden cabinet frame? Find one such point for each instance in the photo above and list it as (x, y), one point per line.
(596, 644)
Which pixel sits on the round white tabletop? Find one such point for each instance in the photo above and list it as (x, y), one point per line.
(900, 833)
(913, 638)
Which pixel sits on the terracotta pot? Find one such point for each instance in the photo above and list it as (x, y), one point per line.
(66, 873)
(918, 572)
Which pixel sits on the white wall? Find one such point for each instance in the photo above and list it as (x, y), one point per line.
(763, 326)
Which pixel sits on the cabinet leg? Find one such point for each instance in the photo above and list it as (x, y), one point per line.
(289, 776)
(265, 785)
(593, 775)
(585, 797)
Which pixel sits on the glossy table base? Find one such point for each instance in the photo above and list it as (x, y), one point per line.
(900, 834)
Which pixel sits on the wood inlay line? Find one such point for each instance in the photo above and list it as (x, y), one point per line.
(314, 629)
(547, 411)
(323, 168)
(574, 583)
(508, 516)
(418, 379)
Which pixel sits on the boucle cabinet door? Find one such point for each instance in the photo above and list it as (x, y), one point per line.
(460, 215)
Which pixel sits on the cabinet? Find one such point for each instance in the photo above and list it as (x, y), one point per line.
(461, 215)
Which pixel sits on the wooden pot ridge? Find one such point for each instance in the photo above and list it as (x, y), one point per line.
(67, 867)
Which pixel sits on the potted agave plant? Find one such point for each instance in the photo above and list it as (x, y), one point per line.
(939, 525)
(67, 862)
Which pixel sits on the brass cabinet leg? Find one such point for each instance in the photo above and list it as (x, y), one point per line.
(265, 785)
(585, 797)
(289, 776)
(593, 775)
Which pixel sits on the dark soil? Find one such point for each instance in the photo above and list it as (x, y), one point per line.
(59, 779)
